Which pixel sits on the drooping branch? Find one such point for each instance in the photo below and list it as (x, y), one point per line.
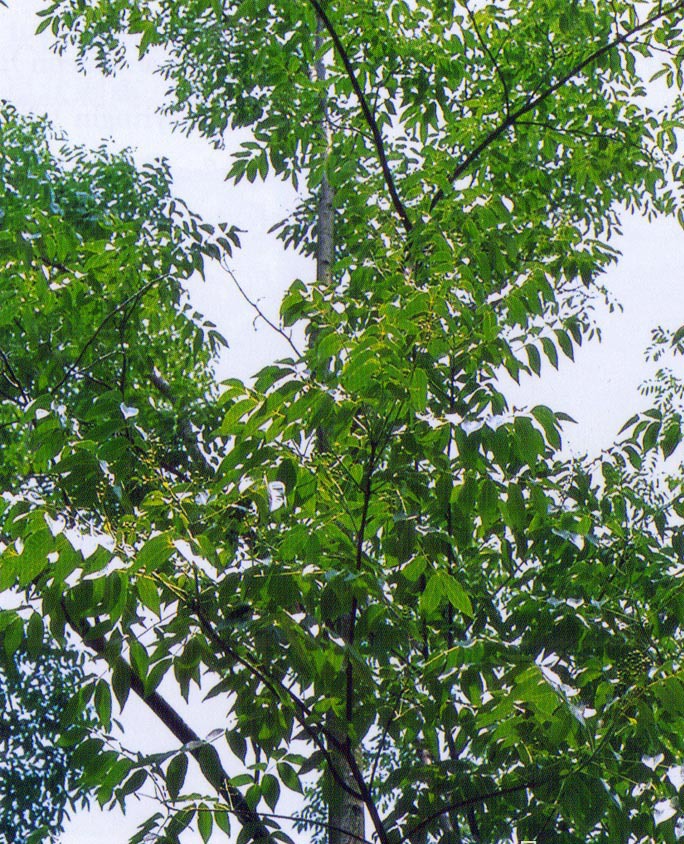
(378, 141)
(532, 103)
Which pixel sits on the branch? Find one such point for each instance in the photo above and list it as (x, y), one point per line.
(360, 539)
(277, 689)
(259, 312)
(586, 133)
(383, 738)
(511, 119)
(368, 116)
(480, 798)
(11, 376)
(204, 466)
(251, 821)
(492, 58)
(93, 337)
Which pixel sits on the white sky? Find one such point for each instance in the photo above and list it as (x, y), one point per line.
(599, 390)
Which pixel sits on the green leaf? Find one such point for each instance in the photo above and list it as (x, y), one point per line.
(103, 704)
(205, 821)
(549, 422)
(514, 508)
(413, 570)
(239, 409)
(121, 681)
(670, 693)
(149, 595)
(419, 391)
(134, 783)
(237, 744)
(289, 777)
(456, 594)
(156, 675)
(550, 351)
(13, 636)
(222, 820)
(671, 438)
(154, 553)
(270, 789)
(565, 342)
(175, 775)
(35, 634)
(210, 765)
(179, 821)
(433, 594)
(651, 434)
(533, 358)
(139, 659)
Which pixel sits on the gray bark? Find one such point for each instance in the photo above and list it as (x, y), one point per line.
(325, 232)
(346, 813)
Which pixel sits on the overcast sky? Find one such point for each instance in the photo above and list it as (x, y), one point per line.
(599, 390)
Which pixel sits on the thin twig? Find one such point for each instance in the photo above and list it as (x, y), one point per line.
(492, 58)
(259, 312)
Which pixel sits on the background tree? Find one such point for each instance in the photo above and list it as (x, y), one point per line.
(39, 778)
(400, 587)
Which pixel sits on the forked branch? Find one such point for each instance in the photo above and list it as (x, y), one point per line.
(513, 117)
(378, 141)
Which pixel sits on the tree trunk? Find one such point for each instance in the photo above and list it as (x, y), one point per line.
(346, 814)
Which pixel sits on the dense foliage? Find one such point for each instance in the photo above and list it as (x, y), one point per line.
(410, 602)
(39, 778)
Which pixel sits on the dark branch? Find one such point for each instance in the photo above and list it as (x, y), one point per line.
(468, 802)
(383, 738)
(368, 115)
(278, 690)
(11, 376)
(250, 820)
(530, 105)
(586, 133)
(189, 438)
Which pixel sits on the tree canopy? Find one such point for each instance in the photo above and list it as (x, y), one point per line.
(418, 613)
(39, 776)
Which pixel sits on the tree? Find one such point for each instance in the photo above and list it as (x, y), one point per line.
(39, 778)
(415, 608)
